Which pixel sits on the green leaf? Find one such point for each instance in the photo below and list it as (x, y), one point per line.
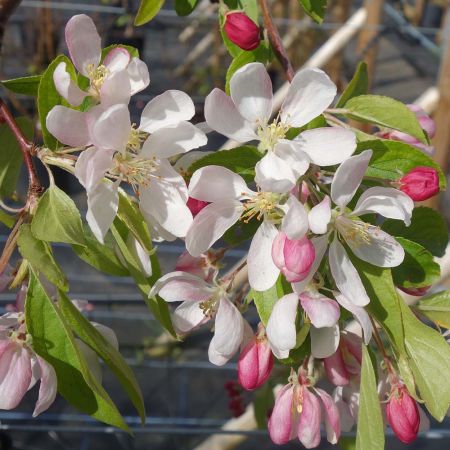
(241, 232)
(11, 156)
(263, 404)
(23, 85)
(418, 269)
(6, 219)
(262, 54)
(385, 112)
(347, 443)
(393, 159)
(359, 85)
(101, 256)
(94, 339)
(57, 219)
(147, 11)
(315, 9)
(53, 341)
(429, 359)
(370, 432)
(129, 213)
(428, 228)
(437, 308)
(241, 160)
(39, 255)
(265, 301)
(185, 7)
(48, 97)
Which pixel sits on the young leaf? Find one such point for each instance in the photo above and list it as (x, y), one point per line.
(241, 160)
(185, 7)
(393, 159)
(418, 269)
(24, 85)
(94, 339)
(53, 341)
(11, 156)
(437, 308)
(370, 432)
(48, 97)
(39, 255)
(385, 112)
(359, 85)
(6, 219)
(57, 219)
(316, 9)
(101, 256)
(428, 228)
(147, 10)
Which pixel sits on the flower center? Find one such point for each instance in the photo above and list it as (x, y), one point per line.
(263, 203)
(137, 171)
(210, 306)
(271, 134)
(97, 75)
(135, 139)
(353, 230)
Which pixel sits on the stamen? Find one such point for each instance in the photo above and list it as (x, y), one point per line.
(354, 230)
(271, 134)
(262, 204)
(97, 75)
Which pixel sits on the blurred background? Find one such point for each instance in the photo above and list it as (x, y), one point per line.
(405, 45)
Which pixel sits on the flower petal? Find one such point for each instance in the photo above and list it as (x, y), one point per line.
(273, 174)
(251, 91)
(138, 74)
(346, 276)
(216, 183)
(280, 329)
(187, 317)
(331, 417)
(140, 255)
(324, 341)
(348, 177)
(336, 370)
(381, 250)
(181, 287)
(262, 271)
(310, 417)
(320, 216)
(68, 126)
(117, 59)
(66, 87)
(228, 333)
(166, 110)
(291, 153)
(84, 43)
(112, 129)
(323, 311)
(388, 202)
(91, 166)
(103, 202)
(295, 222)
(222, 116)
(171, 141)
(310, 93)
(280, 422)
(47, 389)
(327, 146)
(116, 89)
(210, 224)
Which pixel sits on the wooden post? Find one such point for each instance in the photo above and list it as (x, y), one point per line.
(366, 47)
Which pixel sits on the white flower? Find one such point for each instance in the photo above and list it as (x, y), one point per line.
(368, 242)
(139, 156)
(111, 81)
(231, 200)
(245, 116)
(201, 302)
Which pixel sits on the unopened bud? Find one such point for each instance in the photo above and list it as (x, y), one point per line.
(417, 292)
(241, 30)
(420, 183)
(195, 206)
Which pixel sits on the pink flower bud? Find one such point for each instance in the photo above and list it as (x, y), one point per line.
(403, 415)
(255, 363)
(195, 206)
(426, 122)
(241, 30)
(418, 292)
(294, 258)
(201, 266)
(420, 183)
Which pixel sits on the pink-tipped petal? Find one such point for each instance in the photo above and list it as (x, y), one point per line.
(323, 311)
(309, 423)
(280, 422)
(117, 59)
(336, 370)
(66, 87)
(47, 389)
(331, 417)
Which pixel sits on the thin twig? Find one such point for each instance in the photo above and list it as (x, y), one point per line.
(275, 40)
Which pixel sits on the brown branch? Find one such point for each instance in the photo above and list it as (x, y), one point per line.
(275, 40)
(7, 7)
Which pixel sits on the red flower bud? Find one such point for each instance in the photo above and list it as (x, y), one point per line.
(255, 363)
(403, 415)
(241, 30)
(195, 206)
(418, 292)
(420, 183)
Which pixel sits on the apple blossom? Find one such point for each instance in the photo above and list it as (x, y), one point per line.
(245, 116)
(111, 81)
(201, 302)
